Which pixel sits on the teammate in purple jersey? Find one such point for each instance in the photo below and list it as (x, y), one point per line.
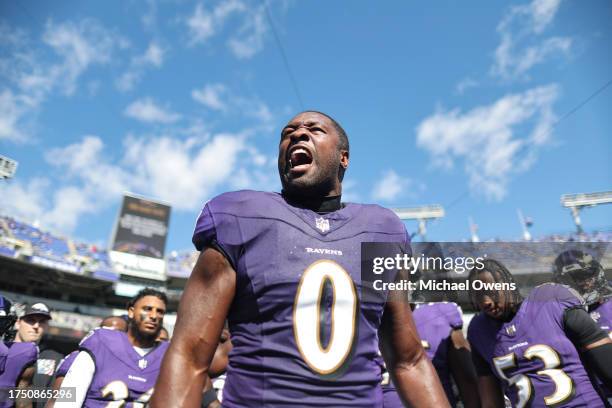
(111, 322)
(120, 368)
(584, 273)
(20, 358)
(533, 349)
(7, 321)
(285, 270)
(440, 326)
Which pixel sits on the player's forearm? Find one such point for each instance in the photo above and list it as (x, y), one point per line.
(180, 382)
(202, 310)
(463, 372)
(417, 383)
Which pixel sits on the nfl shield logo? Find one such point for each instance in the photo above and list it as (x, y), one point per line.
(142, 363)
(322, 224)
(511, 330)
(595, 316)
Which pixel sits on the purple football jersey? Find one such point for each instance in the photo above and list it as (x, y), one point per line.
(298, 286)
(390, 397)
(602, 315)
(3, 354)
(64, 365)
(537, 364)
(20, 356)
(121, 373)
(435, 322)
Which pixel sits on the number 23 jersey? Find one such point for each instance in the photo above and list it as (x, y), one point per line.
(531, 354)
(122, 376)
(301, 331)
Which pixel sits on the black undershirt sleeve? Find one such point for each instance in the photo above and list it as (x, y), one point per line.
(481, 366)
(582, 331)
(581, 328)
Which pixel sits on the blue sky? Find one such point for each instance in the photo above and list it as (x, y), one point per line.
(180, 101)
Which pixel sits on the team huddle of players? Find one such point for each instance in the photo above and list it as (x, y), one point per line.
(282, 273)
(525, 347)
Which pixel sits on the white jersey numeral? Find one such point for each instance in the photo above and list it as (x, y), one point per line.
(120, 392)
(564, 385)
(306, 316)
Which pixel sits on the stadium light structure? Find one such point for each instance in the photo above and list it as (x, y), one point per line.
(421, 214)
(8, 167)
(576, 202)
(525, 224)
(473, 230)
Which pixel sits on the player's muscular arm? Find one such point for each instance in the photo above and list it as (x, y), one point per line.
(24, 382)
(203, 307)
(462, 369)
(413, 374)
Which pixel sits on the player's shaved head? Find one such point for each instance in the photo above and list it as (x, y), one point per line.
(313, 156)
(343, 143)
(115, 322)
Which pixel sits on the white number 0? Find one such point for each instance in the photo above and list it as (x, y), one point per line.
(306, 316)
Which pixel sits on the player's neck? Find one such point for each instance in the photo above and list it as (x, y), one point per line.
(321, 205)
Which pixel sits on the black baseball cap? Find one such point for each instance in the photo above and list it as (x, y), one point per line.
(40, 309)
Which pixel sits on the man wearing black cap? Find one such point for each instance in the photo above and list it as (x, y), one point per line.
(30, 328)
(20, 360)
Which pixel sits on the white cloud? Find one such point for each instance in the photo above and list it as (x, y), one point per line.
(31, 75)
(146, 110)
(220, 98)
(26, 200)
(12, 110)
(487, 138)
(210, 96)
(246, 41)
(250, 37)
(465, 84)
(520, 48)
(153, 57)
(203, 24)
(183, 173)
(390, 186)
(81, 45)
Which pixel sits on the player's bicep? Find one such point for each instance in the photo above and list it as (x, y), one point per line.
(204, 306)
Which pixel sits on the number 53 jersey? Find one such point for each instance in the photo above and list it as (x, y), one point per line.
(532, 356)
(301, 331)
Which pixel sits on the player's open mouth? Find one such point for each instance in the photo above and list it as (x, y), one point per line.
(300, 158)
